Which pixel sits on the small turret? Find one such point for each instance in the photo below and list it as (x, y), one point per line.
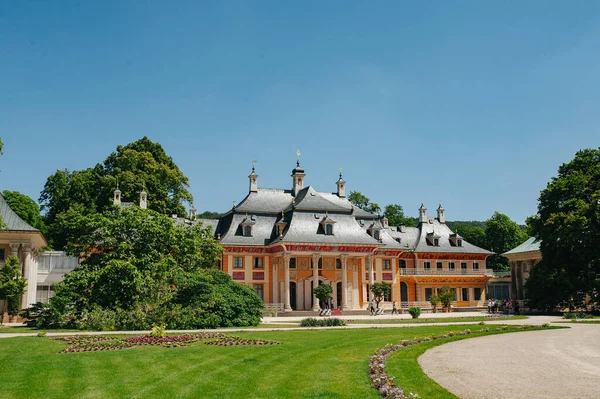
(144, 199)
(422, 214)
(297, 178)
(253, 177)
(440, 214)
(117, 196)
(341, 186)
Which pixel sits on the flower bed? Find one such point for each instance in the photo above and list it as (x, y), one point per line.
(386, 385)
(86, 343)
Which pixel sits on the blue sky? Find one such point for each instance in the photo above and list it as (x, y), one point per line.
(474, 104)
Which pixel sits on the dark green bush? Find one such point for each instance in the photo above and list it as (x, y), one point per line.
(578, 315)
(328, 322)
(415, 312)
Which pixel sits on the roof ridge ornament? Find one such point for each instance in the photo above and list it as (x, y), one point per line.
(298, 153)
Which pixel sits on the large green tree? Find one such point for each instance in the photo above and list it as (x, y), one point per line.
(501, 235)
(141, 165)
(473, 234)
(395, 215)
(363, 202)
(25, 207)
(568, 224)
(141, 267)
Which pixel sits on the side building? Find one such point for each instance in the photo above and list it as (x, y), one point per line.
(285, 242)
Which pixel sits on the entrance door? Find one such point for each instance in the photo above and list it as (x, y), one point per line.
(338, 297)
(293, 295)
(403, 292)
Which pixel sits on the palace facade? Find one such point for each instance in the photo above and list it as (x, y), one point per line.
(284, 242)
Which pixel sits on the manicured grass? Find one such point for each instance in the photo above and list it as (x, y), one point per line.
(585, 321)
(308, 364)
(436, 320)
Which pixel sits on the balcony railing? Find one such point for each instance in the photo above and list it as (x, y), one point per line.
(446, 272)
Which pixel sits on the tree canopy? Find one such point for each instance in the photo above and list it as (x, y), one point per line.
(141, 267)
(568, 224)
(12, 286)
(363, 202)
(380, 291)
(395, 215)
(501, 235)
(137, 166)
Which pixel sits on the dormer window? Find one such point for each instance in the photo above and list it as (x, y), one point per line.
(375, 230)
(376, 234)
(247, 225)
(433, 240)
(455, 240)
(327, 224)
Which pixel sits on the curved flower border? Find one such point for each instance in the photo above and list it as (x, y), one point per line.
(385, 384)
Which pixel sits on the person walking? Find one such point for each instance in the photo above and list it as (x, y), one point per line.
(394, 308)
(490, 305)
(372, 306)
(517, 308)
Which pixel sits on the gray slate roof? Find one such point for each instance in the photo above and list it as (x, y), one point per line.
(266, 200)
(11, 220)
(531, 245)
(443, 231)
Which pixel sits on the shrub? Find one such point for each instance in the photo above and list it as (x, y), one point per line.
(158, 331)
(415, 312)
(97, 319)
(330, 322)
(577, 315)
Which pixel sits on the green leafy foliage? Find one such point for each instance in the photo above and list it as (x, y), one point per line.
(323, 292)
(415, 312)
(380, 291)
(142, 268)
(12, 286)
(446, 295)
(395, 215)
(26, 208)
(210, 215)
(501, 235)
(568, 224)
(326, 322)
(141, 165)
(363, 202)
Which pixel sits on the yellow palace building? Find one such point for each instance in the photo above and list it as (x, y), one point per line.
(284, 242)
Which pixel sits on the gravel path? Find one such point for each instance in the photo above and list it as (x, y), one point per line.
(534, 364)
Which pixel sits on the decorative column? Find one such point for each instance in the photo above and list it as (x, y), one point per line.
(315, 261)
(286, 265)
(355, 304)
(344, 260)
(371, 275)
(26, 275)
(14, 249)
(32, 283)
(275, 281)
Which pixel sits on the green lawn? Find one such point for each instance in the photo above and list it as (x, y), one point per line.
(308, 364)
(25, 329)
(436, 320)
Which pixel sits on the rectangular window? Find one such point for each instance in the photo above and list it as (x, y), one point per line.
(258, 263)
(338, 264)
(44, 293)
(387, 264)
(451, 266)
(2, 254)
(402, 264)
(292, 263)
(259, 290)
(477, 293)
(426, 265)
(475, 265)
(428, 293)
(439, 265)
(465, 294)
(463, 265)
(320, 264)
(238, 262)
(368, 294)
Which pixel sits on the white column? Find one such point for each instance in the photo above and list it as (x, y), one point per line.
(32, 283)
(14, 248)
(344, 261)
(26, 275)
(275, 281)
(371, 275)
(286, 288)
(355, 304)
(315, 260)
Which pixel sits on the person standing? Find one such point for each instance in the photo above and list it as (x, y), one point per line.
(394, 308)
(489, 305)
(372, 306)
(517, 308)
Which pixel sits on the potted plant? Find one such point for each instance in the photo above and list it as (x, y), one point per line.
(446, 296)
(434, 301)
(414, 312)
